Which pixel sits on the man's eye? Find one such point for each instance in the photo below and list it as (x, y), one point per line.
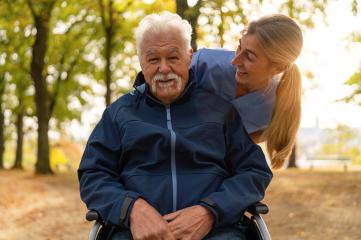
(152, 60)
(173, 58)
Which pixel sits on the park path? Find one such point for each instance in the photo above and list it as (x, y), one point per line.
(40, 207)
(304, 205)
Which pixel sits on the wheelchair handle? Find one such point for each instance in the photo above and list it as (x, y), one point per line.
(92, 216)
(258, 208)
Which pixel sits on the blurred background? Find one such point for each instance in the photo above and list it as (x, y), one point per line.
(63, 61)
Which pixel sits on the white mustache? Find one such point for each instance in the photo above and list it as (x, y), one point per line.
(162, 77)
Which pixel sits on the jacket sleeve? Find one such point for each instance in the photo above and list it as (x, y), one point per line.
(249, 176)
(100, 185)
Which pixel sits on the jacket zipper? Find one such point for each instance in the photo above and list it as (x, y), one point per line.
(172, 158)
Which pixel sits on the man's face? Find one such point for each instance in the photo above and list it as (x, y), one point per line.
(165, 62)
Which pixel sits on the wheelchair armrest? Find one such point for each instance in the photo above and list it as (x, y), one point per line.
(257, 208)
(92, 215)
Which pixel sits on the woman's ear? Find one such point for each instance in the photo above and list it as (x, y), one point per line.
(279, 68)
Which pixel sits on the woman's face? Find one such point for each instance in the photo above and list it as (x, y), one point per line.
(254, 70)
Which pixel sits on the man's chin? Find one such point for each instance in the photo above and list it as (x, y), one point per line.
(167, 96)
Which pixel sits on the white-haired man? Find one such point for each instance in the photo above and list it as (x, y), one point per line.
(170, 160)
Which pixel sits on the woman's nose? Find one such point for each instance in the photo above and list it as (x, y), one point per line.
(237, 59)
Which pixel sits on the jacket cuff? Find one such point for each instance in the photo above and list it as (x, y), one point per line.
(213, 208)
(126, 208)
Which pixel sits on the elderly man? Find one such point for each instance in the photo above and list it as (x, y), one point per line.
(170, 160)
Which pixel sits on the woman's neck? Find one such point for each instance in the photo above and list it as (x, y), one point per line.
(242, 89)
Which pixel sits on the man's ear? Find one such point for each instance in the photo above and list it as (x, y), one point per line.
(190, 55)
(190, 52)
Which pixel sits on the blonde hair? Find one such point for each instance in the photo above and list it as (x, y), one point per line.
(162, 22)
(281, 39)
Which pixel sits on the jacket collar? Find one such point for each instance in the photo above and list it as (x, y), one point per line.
(143, 88)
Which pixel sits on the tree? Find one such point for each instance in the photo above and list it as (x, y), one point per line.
(107, 13)
(342, 142)
(18, 36)
(54, 69)
(191, 14)
(41, 14)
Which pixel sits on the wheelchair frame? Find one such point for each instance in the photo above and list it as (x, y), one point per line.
(259, 228)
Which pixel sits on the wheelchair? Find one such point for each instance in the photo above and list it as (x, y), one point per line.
(256, 228)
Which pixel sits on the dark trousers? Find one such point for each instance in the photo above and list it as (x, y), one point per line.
(227, 233)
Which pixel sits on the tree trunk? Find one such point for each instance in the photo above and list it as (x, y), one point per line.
(42, 100)
(19, 141)
(2, 124)
(292, 160)
(2, 136)
(190, 14)
(108, 56)
(221, 27)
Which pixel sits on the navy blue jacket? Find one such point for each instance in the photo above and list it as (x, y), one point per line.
(195, 151)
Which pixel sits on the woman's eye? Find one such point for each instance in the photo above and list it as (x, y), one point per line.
(249, 57)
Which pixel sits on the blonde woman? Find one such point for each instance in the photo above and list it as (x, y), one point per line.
(262, 81)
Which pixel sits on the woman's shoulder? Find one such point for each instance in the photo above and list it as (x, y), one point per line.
(256, 108)
(214, 71)
(212, 56)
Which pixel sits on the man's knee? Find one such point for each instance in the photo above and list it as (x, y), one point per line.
(236, 232)
(122, 235)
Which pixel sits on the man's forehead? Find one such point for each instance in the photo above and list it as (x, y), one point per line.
(160, 37)
(158, 49)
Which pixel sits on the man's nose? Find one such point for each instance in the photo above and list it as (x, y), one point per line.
(164, 67)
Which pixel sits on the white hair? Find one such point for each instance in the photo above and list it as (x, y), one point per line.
(160, 23)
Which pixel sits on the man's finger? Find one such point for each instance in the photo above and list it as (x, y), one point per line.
(171, 216)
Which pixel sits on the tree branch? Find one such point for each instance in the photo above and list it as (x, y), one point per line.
(77, 22)
(31, 6)
(102, 13)
(59, 81)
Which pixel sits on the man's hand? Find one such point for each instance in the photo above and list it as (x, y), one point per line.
(190, 223)
(147, 223)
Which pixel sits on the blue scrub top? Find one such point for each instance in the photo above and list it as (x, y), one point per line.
(215, 73)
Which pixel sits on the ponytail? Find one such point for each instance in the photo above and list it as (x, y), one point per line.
(286, 117)
(281, 39)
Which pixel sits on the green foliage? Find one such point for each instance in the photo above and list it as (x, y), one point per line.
(356, 37)
(15, 47)
(342, 142)
(355, 79)
(304, 11)
(354, 7)
(68, 44)
(223, 15)
(355, 82)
